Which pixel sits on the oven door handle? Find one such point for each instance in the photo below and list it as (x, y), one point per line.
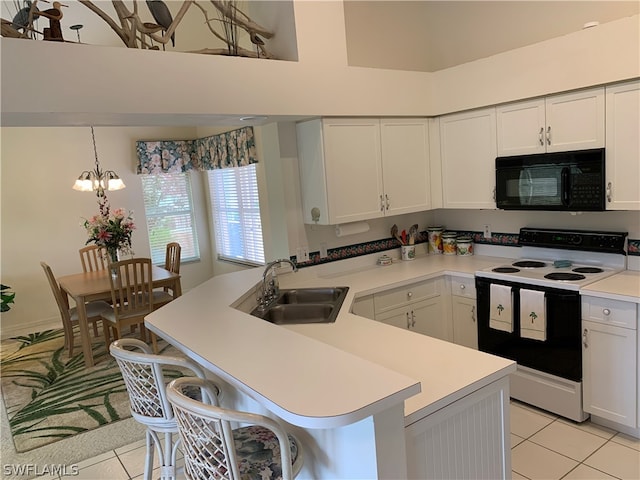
(565, 186)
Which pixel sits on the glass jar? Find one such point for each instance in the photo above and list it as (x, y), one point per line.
(449, 243)
(434, 235)
(464, 246)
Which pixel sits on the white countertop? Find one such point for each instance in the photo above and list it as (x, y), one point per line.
(623, 286)
(329, 375)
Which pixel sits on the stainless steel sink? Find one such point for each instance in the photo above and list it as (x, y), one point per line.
(300, 313)
(304, 305)
(312, 295)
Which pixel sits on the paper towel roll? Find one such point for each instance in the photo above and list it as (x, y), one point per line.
(351, 228)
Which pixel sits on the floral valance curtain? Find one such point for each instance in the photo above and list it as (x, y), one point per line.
(231, 149)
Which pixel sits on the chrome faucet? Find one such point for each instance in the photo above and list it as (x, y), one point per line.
(271, 289)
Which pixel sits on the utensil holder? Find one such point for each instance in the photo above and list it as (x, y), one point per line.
(408, 252)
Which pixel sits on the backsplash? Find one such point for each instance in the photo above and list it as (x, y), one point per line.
(366, 248)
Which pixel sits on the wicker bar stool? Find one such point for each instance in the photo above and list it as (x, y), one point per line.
(263, 450)
(145, 381)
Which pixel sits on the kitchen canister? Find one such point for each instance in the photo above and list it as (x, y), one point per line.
(449, 243)
(408, 252)
(434, 234)
(464, 246)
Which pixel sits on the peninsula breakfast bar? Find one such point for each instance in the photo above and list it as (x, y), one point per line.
(367, 400)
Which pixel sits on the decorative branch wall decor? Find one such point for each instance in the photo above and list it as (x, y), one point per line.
(224, 24)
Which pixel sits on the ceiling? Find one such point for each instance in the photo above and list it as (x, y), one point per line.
(425, 35)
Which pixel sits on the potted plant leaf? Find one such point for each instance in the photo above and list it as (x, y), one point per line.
(7, 297)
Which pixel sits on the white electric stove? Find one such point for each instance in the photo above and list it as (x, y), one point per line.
(557, 263)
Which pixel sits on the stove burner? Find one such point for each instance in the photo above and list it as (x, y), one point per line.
(588, 270)
(529, 264)
(506, 270)
(564, 276)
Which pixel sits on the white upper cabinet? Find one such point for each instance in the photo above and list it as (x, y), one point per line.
(405, 165)
(468, 153)
(623, 146)
(355, 169)
(571, 121)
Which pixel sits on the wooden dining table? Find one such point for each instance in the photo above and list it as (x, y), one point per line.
(89, 286)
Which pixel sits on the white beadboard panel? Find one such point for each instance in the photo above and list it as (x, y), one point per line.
(468, 440)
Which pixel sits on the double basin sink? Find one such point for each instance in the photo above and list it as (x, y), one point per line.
(303, 305)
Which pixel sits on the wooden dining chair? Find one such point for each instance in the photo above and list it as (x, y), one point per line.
(172, 264)
(131, 297)
(92, 258)
(70, 315)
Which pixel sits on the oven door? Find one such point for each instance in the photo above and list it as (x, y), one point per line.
(560, 354)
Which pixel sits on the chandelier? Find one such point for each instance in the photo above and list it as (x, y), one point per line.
(98, 180)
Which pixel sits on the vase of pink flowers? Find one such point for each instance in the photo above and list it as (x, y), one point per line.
(111, 230)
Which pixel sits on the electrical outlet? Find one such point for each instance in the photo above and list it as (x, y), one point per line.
(487, 231)
(303, 254)
(323, 250)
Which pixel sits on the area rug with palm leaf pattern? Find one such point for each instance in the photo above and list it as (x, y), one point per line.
(50, 396)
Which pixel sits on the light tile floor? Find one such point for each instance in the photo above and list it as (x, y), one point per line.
(543, 447)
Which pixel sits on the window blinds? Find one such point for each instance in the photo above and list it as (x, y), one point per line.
(235, 207)
(168, 206)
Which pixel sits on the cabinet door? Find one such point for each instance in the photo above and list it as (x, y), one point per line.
(353, 169)
(465, 326)
(399, 317)
(468, 146)
(623, 147)
(428, 318)
(521, 128)
(363, 306)
(575, 121)
(405, 165)
(610, 373)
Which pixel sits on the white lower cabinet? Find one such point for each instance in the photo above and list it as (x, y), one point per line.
(609, 360)
(363, 307)
(465, 325)
(463, 311)
(425, 317)
(418, 307)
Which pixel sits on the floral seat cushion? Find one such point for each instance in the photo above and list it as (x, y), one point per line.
(258, 453)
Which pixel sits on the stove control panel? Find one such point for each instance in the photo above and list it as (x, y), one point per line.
(594, 241)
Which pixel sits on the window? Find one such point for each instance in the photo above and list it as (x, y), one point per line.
(169, 209)
(236, 214)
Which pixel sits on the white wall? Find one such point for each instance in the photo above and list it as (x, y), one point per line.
(144, 87)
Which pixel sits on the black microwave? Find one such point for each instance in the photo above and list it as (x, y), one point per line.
(571, 181)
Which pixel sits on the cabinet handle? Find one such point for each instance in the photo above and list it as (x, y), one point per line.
(606, 311)
(387, 201)
(462, 286)
(540, 136)
(409, 294)
(494, 194)
(549, 135)
(473, 314)
(584, 338)
(381, 204)
(609, 190)
(408, 321)
(413, 319)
